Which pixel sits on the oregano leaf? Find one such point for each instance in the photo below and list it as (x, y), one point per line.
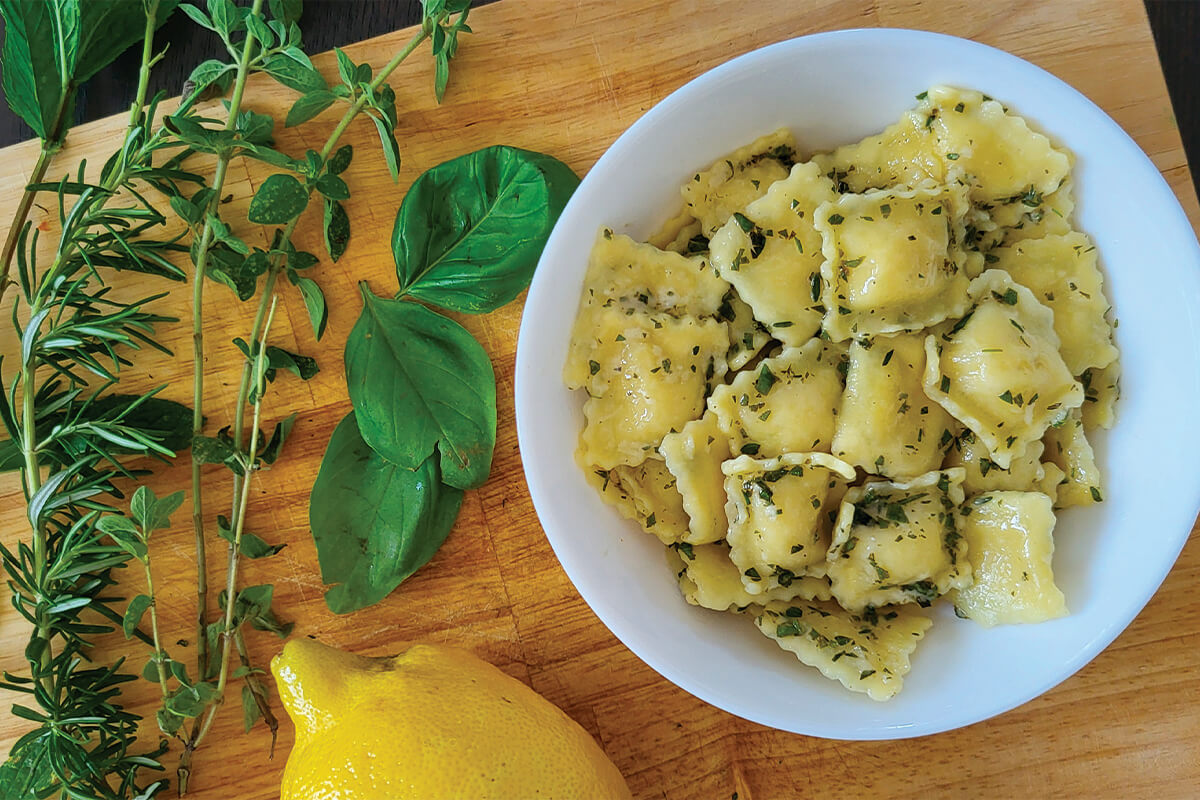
(333, 187)
(340, 160)
(308, 106)
(336, 228)
(133, 614)
(279, 200)
(314, 302)
(294, 75)
(210, 72)
(391, 150)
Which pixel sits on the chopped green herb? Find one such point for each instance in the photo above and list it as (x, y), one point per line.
(766, 379)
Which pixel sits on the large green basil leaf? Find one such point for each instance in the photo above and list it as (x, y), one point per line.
(83, 36)
(419, 381)
(108, 28)
(374, 522)
(469, 232)
(33, 79)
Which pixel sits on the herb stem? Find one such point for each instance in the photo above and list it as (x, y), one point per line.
(239, 524)
(361, 102)
(22, 213)
(286, 237)
(159, 655)
(206, 239)
(33, 483)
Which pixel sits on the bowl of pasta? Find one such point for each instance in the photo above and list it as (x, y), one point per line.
(823, 401)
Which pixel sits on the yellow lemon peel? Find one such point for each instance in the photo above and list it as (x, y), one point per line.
(431, 722)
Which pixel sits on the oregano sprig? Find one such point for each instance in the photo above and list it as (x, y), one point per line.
(262, 42)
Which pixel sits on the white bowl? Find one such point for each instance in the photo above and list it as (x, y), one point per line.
(831, 89)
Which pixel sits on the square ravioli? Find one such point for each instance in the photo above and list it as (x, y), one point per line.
(1063, 274)
(899, 542)
(630, 278)
(893, 260)
(989, 149)
(1024, 473)
(789, 404)
(1010, 545)
(998, 370)
(707, 578)
(694, 456)
(780, 514)
(866, 652)
(1031, 216)
(771, 253)
(1068, 448)
(731, 183)
(645, 493)
(886, 424)
(1101, 390)
(904, 154)
(647, 376)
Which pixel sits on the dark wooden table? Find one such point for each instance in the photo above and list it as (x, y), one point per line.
(331, 23)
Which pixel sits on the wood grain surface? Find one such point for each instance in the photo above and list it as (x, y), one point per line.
(567, 79)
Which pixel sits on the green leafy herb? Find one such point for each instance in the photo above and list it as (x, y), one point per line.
(765, 380)
(469, 231)
(374, 522)
(421, 383)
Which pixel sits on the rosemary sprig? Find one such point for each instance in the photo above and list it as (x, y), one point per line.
(69, 435)
(72, 436)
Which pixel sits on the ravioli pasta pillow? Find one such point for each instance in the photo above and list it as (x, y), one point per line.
(845, 387)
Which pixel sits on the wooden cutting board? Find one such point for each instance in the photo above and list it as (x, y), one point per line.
(567, 79)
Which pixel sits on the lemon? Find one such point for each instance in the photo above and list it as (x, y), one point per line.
(432, 723)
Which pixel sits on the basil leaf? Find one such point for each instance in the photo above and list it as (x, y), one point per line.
(279, 200)
(374, 523)
(420, 382)
(469, 232)
(32, 78)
